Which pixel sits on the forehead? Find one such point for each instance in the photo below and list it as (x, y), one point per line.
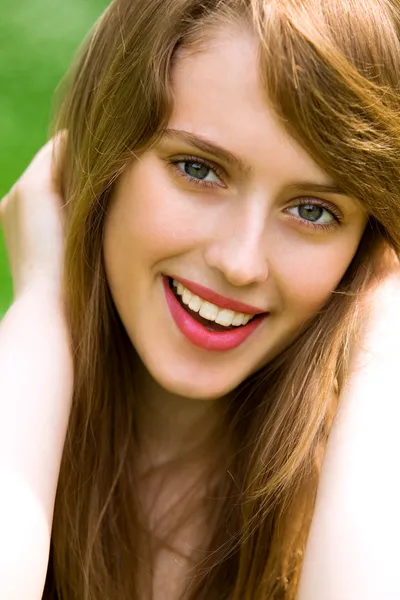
(218, 94)
(222, 67)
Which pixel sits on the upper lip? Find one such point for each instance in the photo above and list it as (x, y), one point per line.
(221, 301)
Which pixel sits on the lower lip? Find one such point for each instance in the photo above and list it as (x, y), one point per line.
(198, 335)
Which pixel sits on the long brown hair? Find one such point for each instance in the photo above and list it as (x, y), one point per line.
(331, 70)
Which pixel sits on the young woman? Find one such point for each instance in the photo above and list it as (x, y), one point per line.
(222, 275)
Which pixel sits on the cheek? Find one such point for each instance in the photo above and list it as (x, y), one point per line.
(308, 276)
(153, 217)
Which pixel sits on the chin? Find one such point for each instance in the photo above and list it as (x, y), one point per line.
(196, 392)
(198, 388)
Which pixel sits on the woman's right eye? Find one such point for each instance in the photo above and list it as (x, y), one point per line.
(198, 172)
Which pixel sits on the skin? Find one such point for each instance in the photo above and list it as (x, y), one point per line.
(244, 235)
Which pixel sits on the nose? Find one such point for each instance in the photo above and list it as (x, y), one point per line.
(238, 246)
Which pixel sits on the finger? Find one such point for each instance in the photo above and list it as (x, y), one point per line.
(43, 173)
(38, 177)
(58, 150)
(3, 202)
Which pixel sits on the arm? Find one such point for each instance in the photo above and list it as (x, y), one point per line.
(353, 549)
(35, 395)
(36, 374)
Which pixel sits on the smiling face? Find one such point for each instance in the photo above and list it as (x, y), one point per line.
(229, 201)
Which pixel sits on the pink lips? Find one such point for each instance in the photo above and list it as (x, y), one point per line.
(219, 300)
(199, 335)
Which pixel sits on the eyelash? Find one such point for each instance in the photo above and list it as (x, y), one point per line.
(305, 201)
(200, 161)
(338, 218)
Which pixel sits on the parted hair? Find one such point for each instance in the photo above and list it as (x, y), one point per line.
(331, 72)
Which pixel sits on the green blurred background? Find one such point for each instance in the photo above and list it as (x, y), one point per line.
(38, 39)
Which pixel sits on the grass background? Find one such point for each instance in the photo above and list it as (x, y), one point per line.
(38, 39)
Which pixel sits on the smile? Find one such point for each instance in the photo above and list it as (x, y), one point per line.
(207, 311)
(204, 324)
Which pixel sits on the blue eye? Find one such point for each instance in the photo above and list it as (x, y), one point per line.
(314, 213)
(197, 170)
(317, 214)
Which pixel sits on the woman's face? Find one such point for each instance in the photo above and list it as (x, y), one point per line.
(228, 201)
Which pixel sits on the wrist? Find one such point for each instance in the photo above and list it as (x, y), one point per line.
(43, 289)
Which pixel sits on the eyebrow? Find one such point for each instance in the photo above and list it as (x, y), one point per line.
(320, 188)
(226, 156)
(207, 146)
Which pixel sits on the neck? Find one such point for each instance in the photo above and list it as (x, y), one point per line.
(173, 427)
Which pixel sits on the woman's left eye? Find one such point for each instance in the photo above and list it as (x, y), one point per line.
(198, 172)
(315, 214)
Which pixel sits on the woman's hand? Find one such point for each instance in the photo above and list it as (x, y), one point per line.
(380, 337)
(36, 377)
(353, 547)
(32, 220)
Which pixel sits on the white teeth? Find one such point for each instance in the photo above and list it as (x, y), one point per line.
(210, 311)
(195, 303)
(225, 317)
(186, 296)
(238, 319)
